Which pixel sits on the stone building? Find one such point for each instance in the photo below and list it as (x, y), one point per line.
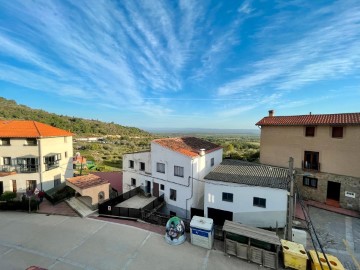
(326, 152)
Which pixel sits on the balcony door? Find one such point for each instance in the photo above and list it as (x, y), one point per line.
(311, 160)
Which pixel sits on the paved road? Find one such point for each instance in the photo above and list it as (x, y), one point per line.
(59, 242)
(339, 234)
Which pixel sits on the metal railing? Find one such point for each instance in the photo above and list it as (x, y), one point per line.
(308, 166)
(19, 168)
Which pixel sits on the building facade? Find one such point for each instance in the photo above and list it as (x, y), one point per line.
(34, 155)
(326, 152)
(249, 193)
(176, 168)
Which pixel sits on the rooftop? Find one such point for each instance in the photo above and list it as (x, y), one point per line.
(252, 174)
(311, 119)
(86, 181)
(29, 129)
(188, 146)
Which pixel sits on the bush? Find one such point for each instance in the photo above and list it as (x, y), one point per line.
(8, 196)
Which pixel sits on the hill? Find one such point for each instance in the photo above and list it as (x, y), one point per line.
(9, 110)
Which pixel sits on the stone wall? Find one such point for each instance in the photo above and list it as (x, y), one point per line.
(348, 183)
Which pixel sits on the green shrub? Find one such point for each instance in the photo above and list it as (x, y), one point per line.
(8, 196)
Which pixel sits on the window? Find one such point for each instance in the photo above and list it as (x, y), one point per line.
(51, 161)
(172, 194)
(57, 182)
(259, 202)
(310, 181)
(66, 155)
(131, 164)
(160, 167)
(5, 141)
(162, 187)
(14, 186)
(179, 171)
(212, 162)
(31, 141)
(227, 197)
(311, 160)
(133, 181)
(142, 166)
(337, 132)
(310, 131)
(172, 214)
(65, 139)
(28, 164)
(7, 160)
(30, 185)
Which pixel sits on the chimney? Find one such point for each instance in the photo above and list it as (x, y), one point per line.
(271, 113)
(202, 152)
(310, 113)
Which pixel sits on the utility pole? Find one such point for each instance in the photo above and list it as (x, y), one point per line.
(291, 200)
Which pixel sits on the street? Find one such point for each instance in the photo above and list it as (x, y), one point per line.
(339, 235)
(60, 242)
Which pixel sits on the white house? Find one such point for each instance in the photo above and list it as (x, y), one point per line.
(33, 154)
(249, 193)
(178, 167)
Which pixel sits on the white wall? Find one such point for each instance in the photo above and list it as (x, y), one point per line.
(242, 205)
(18, 148)
(190, 188)
(135, 172)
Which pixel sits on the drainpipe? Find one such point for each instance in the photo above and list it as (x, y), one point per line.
(40, 162)
(192, 187)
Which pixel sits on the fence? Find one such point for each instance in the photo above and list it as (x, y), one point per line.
(109, 207)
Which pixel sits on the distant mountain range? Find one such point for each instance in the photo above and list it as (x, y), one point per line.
(10, 110)
(203, 131)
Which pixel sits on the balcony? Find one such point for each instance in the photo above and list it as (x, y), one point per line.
(51, 165)
(19, 168)
(310, 166)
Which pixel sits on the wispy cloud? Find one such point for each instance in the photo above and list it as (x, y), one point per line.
(114, 52)
(331, 49)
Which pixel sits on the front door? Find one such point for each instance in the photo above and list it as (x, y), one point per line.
(156, 189)
(333, 191)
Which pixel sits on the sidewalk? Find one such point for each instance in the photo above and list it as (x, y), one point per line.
(62, 209)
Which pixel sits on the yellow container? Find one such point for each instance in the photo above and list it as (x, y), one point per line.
(294, 255)
(316, 265)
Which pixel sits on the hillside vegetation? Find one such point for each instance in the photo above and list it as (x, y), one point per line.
(118, 140)
(10, 110)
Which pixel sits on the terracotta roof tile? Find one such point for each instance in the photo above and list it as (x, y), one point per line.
(188, 146)
(311, 119)
(29, 129)
(86, 181)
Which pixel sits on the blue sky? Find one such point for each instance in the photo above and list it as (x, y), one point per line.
(199, 64)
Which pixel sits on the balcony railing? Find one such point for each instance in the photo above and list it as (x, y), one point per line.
(51, 165)
(19, 168)
(310, 166)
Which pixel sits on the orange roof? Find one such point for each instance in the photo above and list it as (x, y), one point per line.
(311, 119)
(86, 181)
(188, 146)
(29, 129)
